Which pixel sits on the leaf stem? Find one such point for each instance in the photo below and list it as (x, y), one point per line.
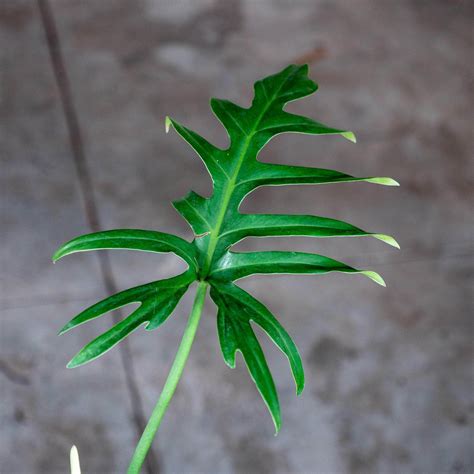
(169, 388)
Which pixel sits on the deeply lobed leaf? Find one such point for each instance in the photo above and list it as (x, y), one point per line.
(251, 309)
(236, 334)
(157, 301)
(217, 225)
(236, 171)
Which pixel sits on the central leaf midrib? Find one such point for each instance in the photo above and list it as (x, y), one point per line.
(214, 238)
(225, 203)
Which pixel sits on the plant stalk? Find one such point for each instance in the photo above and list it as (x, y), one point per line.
(169, 388)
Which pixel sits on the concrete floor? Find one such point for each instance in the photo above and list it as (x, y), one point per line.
(389, 371)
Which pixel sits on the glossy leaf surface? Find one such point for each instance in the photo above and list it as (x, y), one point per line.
(268, 225)
(234, 266)
(236, 334)
(157, 301)
(253, 310)
(130, 239)
(217, 225)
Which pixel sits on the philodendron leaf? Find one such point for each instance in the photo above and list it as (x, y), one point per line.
(130, 239)
(157, 301)
(218, 225)
(251, 309)
(267, 225)
(236, 334)
(233, 266)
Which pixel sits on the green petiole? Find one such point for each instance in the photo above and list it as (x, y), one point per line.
(171, 383)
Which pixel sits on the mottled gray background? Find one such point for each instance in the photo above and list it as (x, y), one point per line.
(389, 371)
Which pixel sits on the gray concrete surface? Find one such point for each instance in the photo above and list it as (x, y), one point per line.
(389, 371)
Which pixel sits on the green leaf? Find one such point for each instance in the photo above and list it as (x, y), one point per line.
(217, 225)
(110, 338)
(130, 239)
(236, 171)
(236, 334)
(235, 265)
(144, 294)
(252, 310)
(212, 156)
(266, 225)
(265, 174)
(195, 209)
(157, 301)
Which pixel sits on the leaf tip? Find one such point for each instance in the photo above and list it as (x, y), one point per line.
(229, 360)
(67, 327)
(388, 239)
(384, 181)
(63, 330)
(71, 364)
(299, 378)
(277, 424)
(349, 136)
(168, 123)
(304, 68)
(374, 276)
(77, 360)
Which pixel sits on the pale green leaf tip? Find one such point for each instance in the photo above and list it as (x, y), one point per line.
(60, 253)
(64, 329)
(349, 136)
(299, 385)
(56, 256)
(167, 124)
(383, 181)
(374, 276)
(277, 424)
(75, 362)
(230, 361)
(388, 239)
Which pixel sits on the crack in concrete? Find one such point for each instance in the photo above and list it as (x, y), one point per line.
(90, 206)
